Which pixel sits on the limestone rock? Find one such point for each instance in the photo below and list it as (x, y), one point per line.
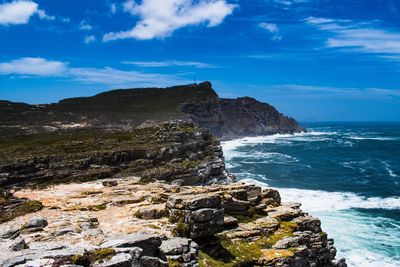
(148, 242)
(119, 260)
(38, 222)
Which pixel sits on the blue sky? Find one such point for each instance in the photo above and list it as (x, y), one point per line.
(314, 60)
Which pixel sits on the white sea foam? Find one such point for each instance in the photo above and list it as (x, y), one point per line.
(372, 138)
(364, 258)
(230, 147)
(316, 200)
(390, 171)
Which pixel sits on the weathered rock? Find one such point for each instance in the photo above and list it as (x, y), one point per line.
(147, 261)
(182, 250)
(308, 223)
(18, 244)
(194, 202)
(11, 233)
(119, 260)
(35, 223)
(234, 206)
(271, 197)
(230, 221)
(284, 213)
(203, 213)
(110, 183)
(148, 242)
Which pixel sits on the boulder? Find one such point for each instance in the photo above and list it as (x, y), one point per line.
(233, 206)
(119, 260)
(308, 223)
(38, 222)
(182, 250)
(230, 221)
(18, 244)
(194, 202)
(202, 214)
(149, 243)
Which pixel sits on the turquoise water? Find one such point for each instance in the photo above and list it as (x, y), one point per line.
(347, 174)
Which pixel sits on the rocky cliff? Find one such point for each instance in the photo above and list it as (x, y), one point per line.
(152, 196)
(175, 152)
(126, 223)
(128, 109)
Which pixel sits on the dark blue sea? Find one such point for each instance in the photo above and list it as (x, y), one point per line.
(347, 174)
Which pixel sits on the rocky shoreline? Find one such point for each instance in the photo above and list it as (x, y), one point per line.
(122, 222)
(180, 208)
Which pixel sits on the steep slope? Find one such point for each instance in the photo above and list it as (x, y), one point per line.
(128, 109)
(249, 117)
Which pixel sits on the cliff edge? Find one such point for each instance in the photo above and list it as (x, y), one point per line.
(121, 110)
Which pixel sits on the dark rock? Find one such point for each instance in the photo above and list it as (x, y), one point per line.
(230, 221)
(10, 233)
(147, 261)
(119, 260)
(149, 243)
(18, 244)
(110, 183)
(35, 223)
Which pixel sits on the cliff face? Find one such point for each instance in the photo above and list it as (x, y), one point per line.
(249, 117)
(126, 223)
(128, 109)
(173, 152)
(157, 196)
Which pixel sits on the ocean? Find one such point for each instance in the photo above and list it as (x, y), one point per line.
(347, 174)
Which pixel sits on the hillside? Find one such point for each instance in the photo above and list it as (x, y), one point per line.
(130, 108)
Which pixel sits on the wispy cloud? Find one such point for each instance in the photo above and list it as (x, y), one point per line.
(159, 19)
(342, 92)
(364, 36)
(85, 26)
(168, 63)
(89, 39)
(20, 12)
(40, 67)
(33, 66)
(271, 28)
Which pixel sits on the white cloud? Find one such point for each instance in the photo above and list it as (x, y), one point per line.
(40, 67)
(362, 36)
(168, 63)
(314, 91)
(113, 8)
(85, 26)
(33, 66)
(20, 12)
(271, 28)
(159, 19)
(89, 39)
(115, 77)
(42, 15)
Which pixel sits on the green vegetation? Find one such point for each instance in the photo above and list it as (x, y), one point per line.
(182, 229)
(138, 215)
(21, 209)
(98, 207)
(174, 263)
(90, 257)
(232, 253)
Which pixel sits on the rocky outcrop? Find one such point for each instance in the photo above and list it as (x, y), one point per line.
(249, 117)
(125, 110)
(199, 228)
(175, 152)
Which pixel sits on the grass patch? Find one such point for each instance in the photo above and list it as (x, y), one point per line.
(90, 257)
(182, 229)
(23, 208)
(245, 253)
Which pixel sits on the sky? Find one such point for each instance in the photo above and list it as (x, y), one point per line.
(314, 60)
